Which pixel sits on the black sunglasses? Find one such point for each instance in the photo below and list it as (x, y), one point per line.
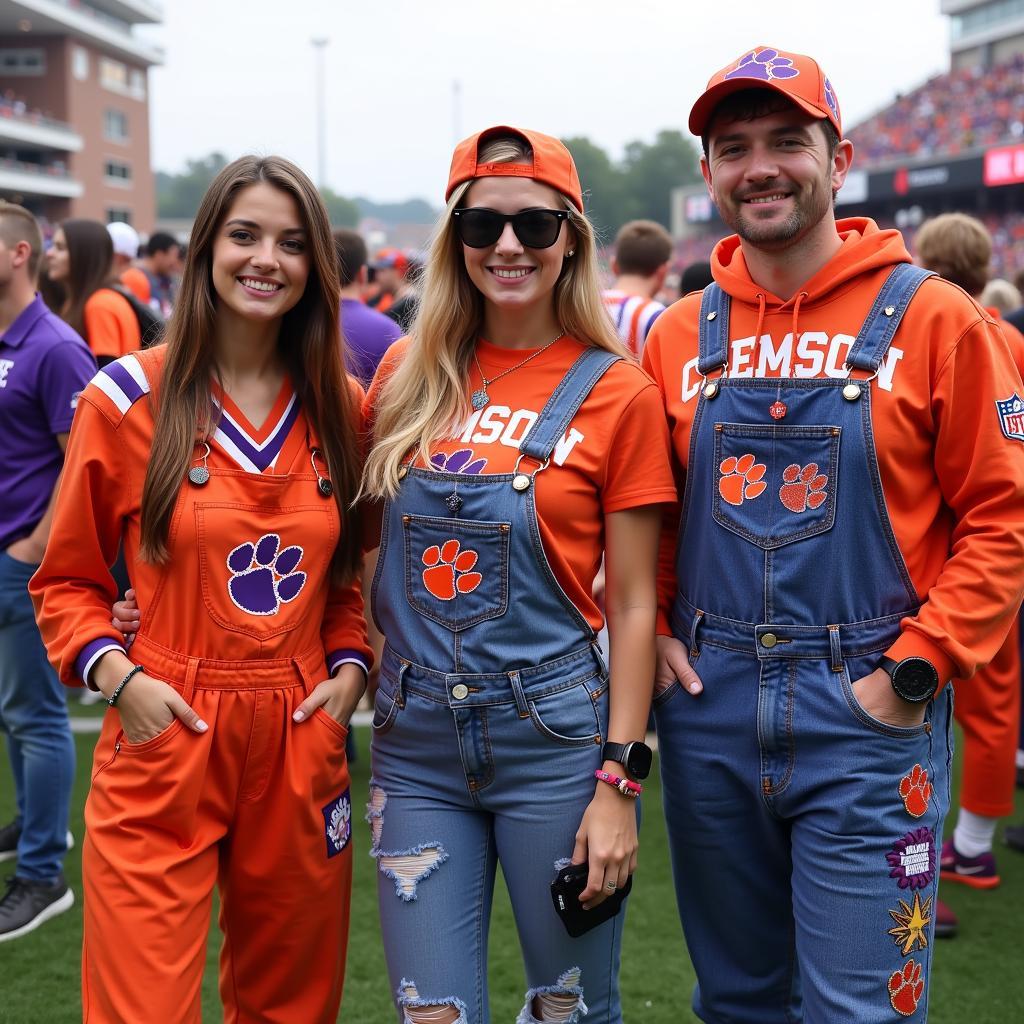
(479, 227)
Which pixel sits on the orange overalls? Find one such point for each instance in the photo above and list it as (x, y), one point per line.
(987, 706)
(238, 621)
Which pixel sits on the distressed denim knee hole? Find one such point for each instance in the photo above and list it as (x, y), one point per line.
(407, 868)
(415, 1010)
(561, 1003)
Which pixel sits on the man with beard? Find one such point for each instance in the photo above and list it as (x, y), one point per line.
(849, 429)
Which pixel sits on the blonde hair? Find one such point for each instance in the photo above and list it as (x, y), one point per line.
(1002, 295)
(425, 398)
(956, 247)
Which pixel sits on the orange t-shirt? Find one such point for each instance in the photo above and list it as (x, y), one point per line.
(111, 328)
(137, 283)
(951, 465)
(613, 456)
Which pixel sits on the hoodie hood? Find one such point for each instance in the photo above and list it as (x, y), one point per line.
(866, 247)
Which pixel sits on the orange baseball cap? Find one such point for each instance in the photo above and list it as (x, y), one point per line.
(799, 78)
(552, 163)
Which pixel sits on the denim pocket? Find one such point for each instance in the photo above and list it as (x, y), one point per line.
(775, 484)
(898, 732)
(456, 571)
(569, 717)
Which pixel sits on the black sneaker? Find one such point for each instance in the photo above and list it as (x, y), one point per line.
(9, 836)
(1014, 836)
(26, 905)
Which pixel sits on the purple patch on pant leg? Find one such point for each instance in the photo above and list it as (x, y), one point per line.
(912, 859)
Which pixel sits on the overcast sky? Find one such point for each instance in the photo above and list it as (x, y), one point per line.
(241, 76)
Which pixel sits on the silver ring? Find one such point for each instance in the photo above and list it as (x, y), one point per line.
(610, 885)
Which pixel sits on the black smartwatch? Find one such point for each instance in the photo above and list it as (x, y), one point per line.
(913, 679)
(634, 757)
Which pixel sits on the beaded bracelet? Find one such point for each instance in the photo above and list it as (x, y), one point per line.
(113, 698)
(627, 787)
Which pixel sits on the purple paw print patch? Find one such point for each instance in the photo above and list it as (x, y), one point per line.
(462, 461)
(764, 65)
(830, 99)
(263, 575)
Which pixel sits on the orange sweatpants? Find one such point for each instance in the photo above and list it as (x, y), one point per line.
(987, 706)
(258, 805)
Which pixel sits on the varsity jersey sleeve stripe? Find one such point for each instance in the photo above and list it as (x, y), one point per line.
(346, 657)
(90, 654)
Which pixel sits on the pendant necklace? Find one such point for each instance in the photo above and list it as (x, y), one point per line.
(480, 397)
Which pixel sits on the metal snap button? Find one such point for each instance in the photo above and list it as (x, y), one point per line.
(520, 482)
(710, 389)
(851, 392)
(769, 640)
(889, 310)
(712, 315)
(460, 691)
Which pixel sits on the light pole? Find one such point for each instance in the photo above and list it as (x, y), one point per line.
(320, 44)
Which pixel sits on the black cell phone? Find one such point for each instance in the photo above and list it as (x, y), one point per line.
(565, 894)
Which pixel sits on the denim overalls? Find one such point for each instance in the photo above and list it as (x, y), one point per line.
(803, 831)
(488, 726)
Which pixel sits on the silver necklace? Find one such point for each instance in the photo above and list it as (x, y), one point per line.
(480, 398)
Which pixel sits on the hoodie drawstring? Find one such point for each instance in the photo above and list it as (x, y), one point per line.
(761, 303)
(796, 317)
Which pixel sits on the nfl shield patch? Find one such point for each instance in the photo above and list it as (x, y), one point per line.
(1011, 416)
(338, 824)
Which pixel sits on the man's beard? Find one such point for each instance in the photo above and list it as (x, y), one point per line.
(809, 207)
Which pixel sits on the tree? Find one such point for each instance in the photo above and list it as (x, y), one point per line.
(654, 170)
(602, 184)
(179, 195)
(343, 212)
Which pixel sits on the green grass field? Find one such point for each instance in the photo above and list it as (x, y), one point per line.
(977, 978)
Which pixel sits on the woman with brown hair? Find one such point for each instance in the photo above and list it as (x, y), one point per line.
(81, 263)
(227, 460)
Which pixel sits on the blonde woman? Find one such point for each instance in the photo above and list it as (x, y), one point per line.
(515, 442)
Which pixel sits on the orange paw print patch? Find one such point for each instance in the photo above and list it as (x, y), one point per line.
(804, 487)
(448, 570)
(916, 791)
(906, 988)
(741, 479)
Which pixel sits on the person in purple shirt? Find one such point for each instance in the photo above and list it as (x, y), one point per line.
(368, 334)
(44, 365)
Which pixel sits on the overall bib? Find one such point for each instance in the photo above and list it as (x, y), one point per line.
(488, 726)
(258, 804)
(803, 831)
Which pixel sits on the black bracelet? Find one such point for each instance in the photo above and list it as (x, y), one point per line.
(113, 698)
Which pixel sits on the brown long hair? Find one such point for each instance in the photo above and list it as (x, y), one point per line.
(90, 267)
(310, 347)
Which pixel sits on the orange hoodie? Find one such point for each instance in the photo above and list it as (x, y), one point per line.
(953, 480)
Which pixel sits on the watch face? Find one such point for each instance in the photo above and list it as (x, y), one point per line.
(915, 679)
(638, 760)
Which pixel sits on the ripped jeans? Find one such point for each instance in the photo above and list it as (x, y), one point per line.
(470, 771)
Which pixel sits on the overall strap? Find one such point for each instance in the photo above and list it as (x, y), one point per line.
(713, 329)
(883, 319)
(564, 402)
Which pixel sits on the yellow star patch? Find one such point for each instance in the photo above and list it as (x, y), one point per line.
(911, 921)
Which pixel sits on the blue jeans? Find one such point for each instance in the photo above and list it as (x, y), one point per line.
(462, 780)
(34, 717)
(800, 856)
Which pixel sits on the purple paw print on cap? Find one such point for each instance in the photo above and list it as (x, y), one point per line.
(263, 575)
(763, 64)
(462, 461)
(830, 99)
